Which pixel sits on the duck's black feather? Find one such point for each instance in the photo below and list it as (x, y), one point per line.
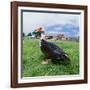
(53, 51)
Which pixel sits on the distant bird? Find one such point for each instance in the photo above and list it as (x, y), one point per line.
(53, 52)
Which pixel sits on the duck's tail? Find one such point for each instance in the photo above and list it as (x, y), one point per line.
(66, 59)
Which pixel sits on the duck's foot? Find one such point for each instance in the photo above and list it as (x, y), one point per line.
(45, 61)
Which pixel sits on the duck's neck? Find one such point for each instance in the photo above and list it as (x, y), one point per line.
(42, 36)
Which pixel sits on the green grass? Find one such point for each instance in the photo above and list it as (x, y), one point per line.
(32, 58)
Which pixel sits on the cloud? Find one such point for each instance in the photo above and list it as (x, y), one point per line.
(51, 22)
(67, 29)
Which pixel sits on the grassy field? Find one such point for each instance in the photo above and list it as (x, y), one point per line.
(32, 58)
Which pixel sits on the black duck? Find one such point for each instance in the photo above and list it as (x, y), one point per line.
(54, 52)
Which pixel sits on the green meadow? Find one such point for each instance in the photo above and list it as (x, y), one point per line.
(32, 58)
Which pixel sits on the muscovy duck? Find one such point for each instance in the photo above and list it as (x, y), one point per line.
(54, 52)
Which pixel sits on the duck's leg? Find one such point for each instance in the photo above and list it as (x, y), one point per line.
(46, 61)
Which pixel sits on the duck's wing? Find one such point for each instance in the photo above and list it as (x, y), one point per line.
(59, 52)
(56, 48)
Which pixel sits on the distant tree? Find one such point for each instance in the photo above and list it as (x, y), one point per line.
(49, 37)
(78, 38)
(60, 36)
(38, 32)
(29, 34)
(35, 33)
(23, 34)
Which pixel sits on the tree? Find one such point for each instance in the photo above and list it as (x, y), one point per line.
(37, 32)
(60, 36)
(23, 34)
(29, 34)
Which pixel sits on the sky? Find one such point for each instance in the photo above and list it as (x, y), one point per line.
(68, 24)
